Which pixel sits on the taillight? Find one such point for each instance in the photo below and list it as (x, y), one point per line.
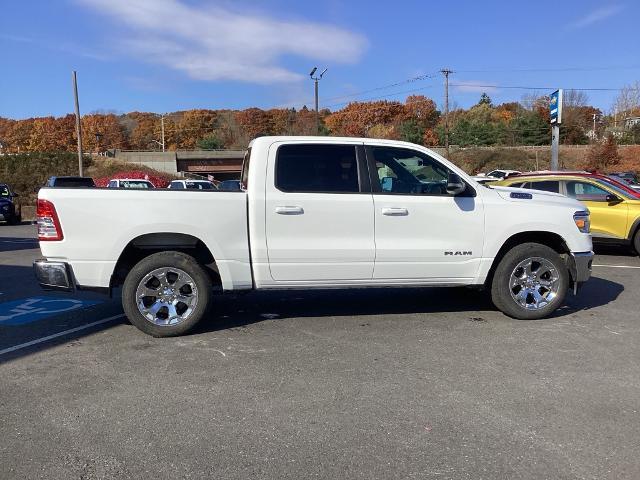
(49, 228)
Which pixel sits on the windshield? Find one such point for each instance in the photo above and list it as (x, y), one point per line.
(618, 189)
(135, 184)
(4, 191)
(200, 186)
(495, 174)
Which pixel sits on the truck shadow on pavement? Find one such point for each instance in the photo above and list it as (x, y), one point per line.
(9, 244)
(240, 310)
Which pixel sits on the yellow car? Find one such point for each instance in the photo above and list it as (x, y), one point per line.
(614, 207)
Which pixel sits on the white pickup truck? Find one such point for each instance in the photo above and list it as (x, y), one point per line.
(315, 212)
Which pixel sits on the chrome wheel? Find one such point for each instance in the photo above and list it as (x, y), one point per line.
(167, 296)
(534, 283)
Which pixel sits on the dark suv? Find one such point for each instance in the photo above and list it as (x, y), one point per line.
(9, 211)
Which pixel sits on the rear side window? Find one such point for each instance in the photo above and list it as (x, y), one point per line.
(545, 186)
(317, 168)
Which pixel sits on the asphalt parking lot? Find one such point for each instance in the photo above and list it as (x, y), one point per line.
(410, 383)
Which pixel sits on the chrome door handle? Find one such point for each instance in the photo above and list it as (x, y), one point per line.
(395, 212)
(289, 210)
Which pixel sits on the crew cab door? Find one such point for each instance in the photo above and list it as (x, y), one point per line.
(422, 233)
(319, 213)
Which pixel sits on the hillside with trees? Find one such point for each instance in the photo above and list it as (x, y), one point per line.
(416, 120)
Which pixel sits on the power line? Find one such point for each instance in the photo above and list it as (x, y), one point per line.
(561, 69)
(520, 87)
(384, 87)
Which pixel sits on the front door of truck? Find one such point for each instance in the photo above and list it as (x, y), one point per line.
(319, 213)
(422, 233)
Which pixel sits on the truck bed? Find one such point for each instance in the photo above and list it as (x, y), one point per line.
(113, 218)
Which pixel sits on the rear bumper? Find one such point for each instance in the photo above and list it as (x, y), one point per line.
(54, 275)
(580, 264)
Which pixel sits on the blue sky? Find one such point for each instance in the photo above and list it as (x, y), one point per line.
(167, 55)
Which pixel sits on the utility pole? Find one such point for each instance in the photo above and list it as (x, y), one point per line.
(162, 129)
(315, 81)
(446, 72)
(78, 124)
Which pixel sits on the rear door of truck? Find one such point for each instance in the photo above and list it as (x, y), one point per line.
(319, 212)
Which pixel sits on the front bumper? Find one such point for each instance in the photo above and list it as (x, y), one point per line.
(580, 264)
(54, 275)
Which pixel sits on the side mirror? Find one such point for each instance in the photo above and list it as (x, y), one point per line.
(611, 198)
(387, 184)
(455, 185)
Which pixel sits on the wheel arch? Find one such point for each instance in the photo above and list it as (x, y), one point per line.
(149, 243)
(550, 239)
(635, 227)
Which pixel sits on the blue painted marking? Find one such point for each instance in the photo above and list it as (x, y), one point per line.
(32, 309)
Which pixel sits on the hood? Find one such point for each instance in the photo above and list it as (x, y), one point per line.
(525, 195)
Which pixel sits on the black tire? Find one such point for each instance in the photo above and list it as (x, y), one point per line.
(161, 260)
(15, 220)
(501, 293)
(636, 241)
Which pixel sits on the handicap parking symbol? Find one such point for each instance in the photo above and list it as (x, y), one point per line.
(27, 310)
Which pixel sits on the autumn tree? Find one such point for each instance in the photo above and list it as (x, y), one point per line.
(145, 130)
(101, 132)
(255, 122)
(357, 118)
(17, 135)
(305, 121)
(51, 134)
(603, 156)
(190, 126)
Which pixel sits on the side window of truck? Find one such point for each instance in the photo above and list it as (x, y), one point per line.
(402, 170)
(317, 168)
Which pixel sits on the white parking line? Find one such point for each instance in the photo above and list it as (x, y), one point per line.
(59, 334)
(616, 266)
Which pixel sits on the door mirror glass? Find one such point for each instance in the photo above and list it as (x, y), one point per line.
(611, 198)
(387, 184)
(455, 185)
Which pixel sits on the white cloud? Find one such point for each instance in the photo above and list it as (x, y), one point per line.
(211, 43)
(594, 16)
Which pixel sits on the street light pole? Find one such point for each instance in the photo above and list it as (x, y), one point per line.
(446, 72)
(315, 81)
(78, 123)
(162, 129)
